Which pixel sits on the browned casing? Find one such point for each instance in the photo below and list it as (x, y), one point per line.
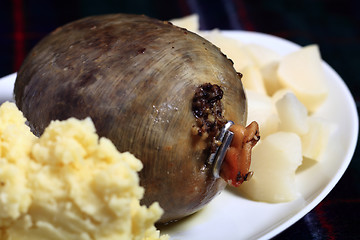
(135, 77)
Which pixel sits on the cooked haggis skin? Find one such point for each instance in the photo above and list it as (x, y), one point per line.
(135, 76)
(68, 184)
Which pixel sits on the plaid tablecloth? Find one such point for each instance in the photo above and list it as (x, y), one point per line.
(333, 24)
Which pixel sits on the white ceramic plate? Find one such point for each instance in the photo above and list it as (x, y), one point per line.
(230, 216)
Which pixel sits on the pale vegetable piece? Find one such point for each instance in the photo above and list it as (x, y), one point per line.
(316, 140)
(190, 22)
(293, 114)
(280, 94)
(262, 110)
(261, 55)
(302, 72)
(274, 162)
(253, 80)
(232, 48)
(271, 80)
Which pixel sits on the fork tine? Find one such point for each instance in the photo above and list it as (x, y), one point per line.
(220, 138)
(219, 158)
(216, 158)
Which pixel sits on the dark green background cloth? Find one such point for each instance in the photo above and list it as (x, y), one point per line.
(332, 24)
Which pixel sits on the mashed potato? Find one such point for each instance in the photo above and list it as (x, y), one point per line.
(68, 184)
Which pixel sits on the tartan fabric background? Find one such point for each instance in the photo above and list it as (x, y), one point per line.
(333, 24)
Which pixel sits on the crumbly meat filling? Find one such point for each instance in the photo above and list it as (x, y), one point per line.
(208, 111)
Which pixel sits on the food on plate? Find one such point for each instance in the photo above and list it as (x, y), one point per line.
(231, 47)
(137, 78)
(293, 115)
(262, 110)
(253, 80)
(316, 140)
(153, 95)
(302, 72)
(283, 93)
(304, 136)
(274, 162)
(68, 184)
(260, 55)
(270, 77)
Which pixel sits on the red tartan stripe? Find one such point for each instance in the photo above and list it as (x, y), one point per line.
(320, 213)
(19, 36)
(184, 8)
(243, 16)
(340, 201)
(323, 213)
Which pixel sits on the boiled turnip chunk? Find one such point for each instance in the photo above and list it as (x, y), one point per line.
(274, 162)
(316, 140)
(303, 73)
(262, 110)
(253, 80)
(261, 55)
(293, 114)
(232, 48)
(270, 77)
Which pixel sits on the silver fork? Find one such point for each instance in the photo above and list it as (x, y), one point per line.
(216, 159)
